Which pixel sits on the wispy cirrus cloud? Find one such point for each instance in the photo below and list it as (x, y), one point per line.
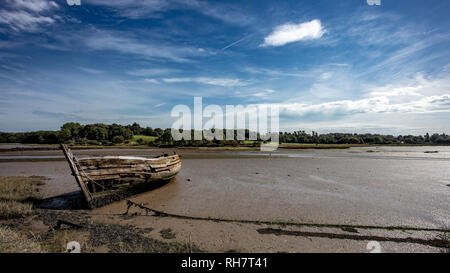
(155, 81)
(126, 44)
(149, 72)
(53, 115)
(23, 20)
(138, 9)
(403, 58)
(289, 33)
(90, 70)
(255, 95)
(133, 8)
(278, 72)
(225, 82)
(27, 16)
(34, 5)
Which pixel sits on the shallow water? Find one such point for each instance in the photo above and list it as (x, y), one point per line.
(30, 156)
(24, 146)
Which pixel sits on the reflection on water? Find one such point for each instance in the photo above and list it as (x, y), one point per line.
(25, 146)
(375, 152)
(30, 156)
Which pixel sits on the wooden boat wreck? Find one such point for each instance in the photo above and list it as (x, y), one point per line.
(114, 177)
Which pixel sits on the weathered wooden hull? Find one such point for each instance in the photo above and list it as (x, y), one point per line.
(99, 176)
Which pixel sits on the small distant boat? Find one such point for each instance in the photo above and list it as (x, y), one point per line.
(101, 176)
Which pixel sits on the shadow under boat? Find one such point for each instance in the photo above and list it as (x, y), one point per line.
(75, 200)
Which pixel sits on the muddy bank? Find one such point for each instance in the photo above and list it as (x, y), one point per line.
(136, 233)
(347, 189)
(328, 187)
(216, 236)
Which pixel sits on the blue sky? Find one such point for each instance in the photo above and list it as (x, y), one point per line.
(340, 66)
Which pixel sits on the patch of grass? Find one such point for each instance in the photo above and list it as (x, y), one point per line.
(12, 209)
(12, 241)
(17, 194)
(136, 138)
(20, 188)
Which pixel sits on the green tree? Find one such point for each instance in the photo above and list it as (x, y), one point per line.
(98, 132)
(159, 132)
(136, 129)
(72, 131)
(118, 139)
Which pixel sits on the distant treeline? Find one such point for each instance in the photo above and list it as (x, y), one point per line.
(343, 138)
(104, 134)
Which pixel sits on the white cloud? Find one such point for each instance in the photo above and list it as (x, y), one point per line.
(263, 94)
(326, 75)
(289, 33)
(90, 70)
(136, 9)
(277, 72)
(391, 91)
(151, 81)
(226, 82)
(23, 20)
(117, 41)
(419, 96)
(151, 72)
(375, 105)
(34, 5)
(25, 15)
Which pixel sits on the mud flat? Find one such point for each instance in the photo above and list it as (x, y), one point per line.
(340, 200)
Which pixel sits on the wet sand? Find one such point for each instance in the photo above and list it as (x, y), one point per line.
(392, 193)
(391, 186)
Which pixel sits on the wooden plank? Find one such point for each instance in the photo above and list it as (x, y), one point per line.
(105, 177)
(116, 171)
(78, 178)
